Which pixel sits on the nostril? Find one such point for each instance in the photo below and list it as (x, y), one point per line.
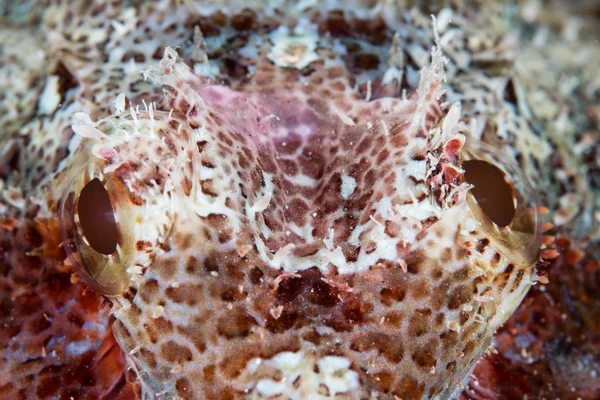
(493, 192)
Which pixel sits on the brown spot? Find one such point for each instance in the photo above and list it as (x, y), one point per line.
(232, 294)
(235, 324)
(509, 269)
(410, 388)
(184, 389)
(460, 296)
(289, 288)
(208, 188)
(296, 211)
(518, 279)
(192, 266)
(307, 250)
(255, 275)
(141, 245)
(188, 293)
(394, 319)
(175, 353)
(419, 323)
(209, 374)
(366, 61)
(147, 357)
(389, 346)
(392, 229)
(446, 256)
(167, 268)
(157, 328)
(482, 244)
(383, 380)
(194, 333)
(285, 322)
(336, 25)
(245, 21)
(211, 263)
(426, 356)
(149, 291)
(354, 310)
(395, 294)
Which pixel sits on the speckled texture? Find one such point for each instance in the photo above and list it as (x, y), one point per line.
(293, 216)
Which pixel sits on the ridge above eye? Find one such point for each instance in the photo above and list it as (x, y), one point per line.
(97, 218)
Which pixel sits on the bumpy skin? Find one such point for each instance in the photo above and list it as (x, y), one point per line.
(296, 218)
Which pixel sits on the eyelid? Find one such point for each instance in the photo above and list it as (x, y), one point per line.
(522, 238)
(106, 274)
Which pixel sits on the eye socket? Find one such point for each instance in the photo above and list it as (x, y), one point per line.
(95, 240)
(491, 190)
(97, 218)
(504, 200)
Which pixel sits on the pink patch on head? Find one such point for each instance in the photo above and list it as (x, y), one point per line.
(107, 154)
(436, 179)
(220, 95)
(452, 146)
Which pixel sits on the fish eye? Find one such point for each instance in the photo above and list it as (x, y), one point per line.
(503, 200)
(93, 236)
(97, 218)
(492, 191)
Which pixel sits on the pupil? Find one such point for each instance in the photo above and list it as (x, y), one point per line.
(96, 217)
(492, 192)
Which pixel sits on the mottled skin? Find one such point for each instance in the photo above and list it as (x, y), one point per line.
(215, 179)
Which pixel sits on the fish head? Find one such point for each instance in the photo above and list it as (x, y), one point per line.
(288, 237)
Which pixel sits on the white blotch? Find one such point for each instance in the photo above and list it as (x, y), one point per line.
(134, 270)
(403, 265)
(329, 240)
(282, 254)
(348, 186)
(297, 49)
(469, 225)
(344, 118)
(444, 19)
(82, 118)
(451, 120)
(244, 249)
(50, 97)
(120, 103)
(14, 197)
(417, 169)
(177, 369)
(276, 312)
(453, 326)
(75, 349)
(337, 374)
(262, 203)
(88, 132)
(158, 311)
(419, 210)
(333, 372)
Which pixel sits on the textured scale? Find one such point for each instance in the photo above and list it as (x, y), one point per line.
(294, 221)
